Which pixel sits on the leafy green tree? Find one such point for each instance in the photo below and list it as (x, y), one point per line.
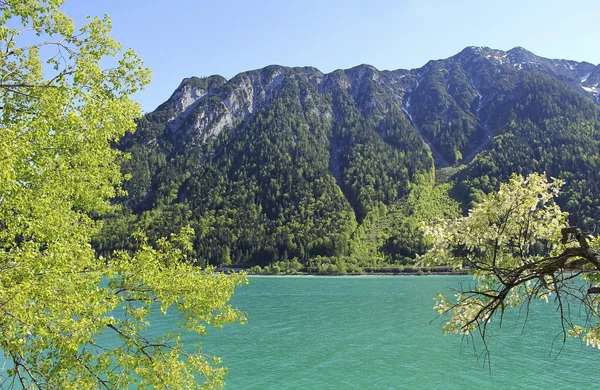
(60, 111)
(519, 247)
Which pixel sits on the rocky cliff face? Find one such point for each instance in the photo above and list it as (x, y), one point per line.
(448, 102)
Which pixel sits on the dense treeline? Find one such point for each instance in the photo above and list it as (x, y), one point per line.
(293, 169)
(446, 111)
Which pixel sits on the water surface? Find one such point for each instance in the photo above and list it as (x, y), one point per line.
(375, 332)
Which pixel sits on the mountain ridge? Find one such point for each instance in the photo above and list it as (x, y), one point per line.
(515, 56)
(401, 82)
(289, 162)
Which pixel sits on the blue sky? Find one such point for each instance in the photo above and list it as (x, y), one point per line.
(184, 38)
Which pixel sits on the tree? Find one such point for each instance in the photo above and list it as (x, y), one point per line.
(519, 247)
(58, 173)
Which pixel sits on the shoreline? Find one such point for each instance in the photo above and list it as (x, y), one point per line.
(389, 272)
(370, 274)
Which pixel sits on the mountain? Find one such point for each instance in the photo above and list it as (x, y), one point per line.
(281, 163)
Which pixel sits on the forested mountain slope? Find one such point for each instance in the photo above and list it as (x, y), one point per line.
(281, 163)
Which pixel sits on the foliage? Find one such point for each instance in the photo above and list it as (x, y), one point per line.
(392, 235)
(58, 173)
(517, 244)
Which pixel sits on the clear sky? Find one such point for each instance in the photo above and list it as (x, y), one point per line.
(183, 38)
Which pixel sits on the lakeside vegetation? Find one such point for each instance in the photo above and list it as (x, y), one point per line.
(283, 268)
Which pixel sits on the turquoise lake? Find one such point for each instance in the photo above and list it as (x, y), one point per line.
(376, 332)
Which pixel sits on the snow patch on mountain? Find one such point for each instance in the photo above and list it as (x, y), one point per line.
(497, 58)
(591, 89)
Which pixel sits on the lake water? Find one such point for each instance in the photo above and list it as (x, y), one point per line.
(375, 332)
